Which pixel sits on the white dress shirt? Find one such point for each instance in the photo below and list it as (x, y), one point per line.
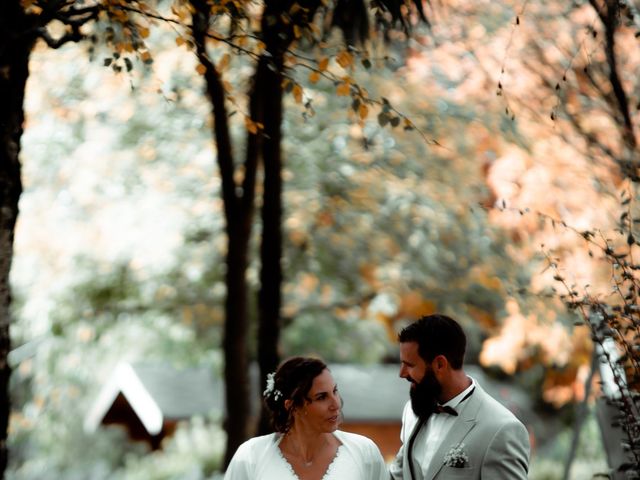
(434, 431)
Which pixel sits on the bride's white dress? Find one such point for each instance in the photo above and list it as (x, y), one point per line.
(260, 458)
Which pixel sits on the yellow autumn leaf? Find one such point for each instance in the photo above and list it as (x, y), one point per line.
(224, 62)
(297, 93)
(251, 126)
(144, 32)
(343, 89)
(297, 31)
(344, 59)
(295, 8)
(120, 15)
(181, 12)
(201, 69)
(180, 41)
(323, 64)
(363, 111)
(314, 77)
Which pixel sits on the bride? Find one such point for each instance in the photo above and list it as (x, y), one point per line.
(306, 410)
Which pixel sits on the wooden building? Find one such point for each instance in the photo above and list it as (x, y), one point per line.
(148, 400)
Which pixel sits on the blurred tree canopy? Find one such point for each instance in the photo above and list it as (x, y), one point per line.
(272, 30)
(276, 38)
(379, 226)
(127, 291)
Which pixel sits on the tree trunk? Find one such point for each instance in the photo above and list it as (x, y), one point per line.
(235, 343)
(238, 215)
(14, 71)
(238, 203)
(278, 37)
(269, 297)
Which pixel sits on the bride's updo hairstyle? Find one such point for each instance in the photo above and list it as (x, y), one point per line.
(291, 381)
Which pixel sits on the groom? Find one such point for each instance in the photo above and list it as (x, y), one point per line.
(451, 428)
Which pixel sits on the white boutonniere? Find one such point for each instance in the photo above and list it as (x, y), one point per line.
(456, 457)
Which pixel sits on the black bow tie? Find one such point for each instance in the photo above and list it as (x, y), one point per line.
(445, 409)
(451, 410)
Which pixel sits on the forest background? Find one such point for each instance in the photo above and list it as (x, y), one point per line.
(467, 190)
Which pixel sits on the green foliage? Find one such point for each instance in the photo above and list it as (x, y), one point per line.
(57, 382)
(589, 460)
(372, 211)
(193, 453)
(322, 334)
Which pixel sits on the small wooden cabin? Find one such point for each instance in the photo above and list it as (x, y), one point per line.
(148, 400)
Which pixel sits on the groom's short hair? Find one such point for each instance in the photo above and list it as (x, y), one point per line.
(437, 335)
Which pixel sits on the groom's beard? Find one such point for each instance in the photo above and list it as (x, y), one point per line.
(424, 395)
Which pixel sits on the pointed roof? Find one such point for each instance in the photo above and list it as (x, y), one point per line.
(157, 393)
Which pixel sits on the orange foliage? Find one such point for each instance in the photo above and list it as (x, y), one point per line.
(413, 305)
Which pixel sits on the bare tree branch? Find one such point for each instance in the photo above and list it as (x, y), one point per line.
(73, 36)
(77, 16)
(611, 20)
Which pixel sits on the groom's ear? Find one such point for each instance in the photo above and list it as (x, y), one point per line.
(440, 363)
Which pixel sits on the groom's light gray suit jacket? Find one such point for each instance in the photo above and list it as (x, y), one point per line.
(495, 441)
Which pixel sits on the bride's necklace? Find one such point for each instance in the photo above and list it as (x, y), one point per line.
(306, 463)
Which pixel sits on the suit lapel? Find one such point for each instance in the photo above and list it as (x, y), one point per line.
(462, 426)
(413, 425)
(412, 438)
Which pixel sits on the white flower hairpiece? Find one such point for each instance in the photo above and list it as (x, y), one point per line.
(271, 389)
(456, 457)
